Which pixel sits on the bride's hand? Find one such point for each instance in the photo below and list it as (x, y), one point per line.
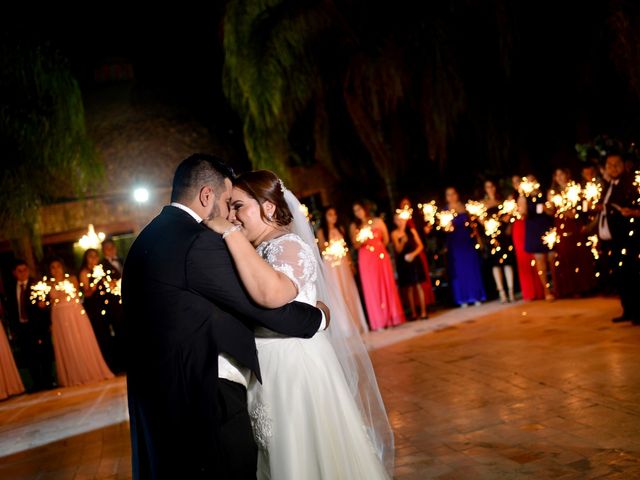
(218, 224)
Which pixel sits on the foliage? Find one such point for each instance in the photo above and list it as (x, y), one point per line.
(46, 152)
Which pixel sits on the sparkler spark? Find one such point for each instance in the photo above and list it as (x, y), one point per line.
(364, 234)
(335, 251)
(492, 227)
(527, 187)
(445, 220)
(551, 238)
(508, 207)
(405, 213)
(429, 211)
(476, 209)
(39, 291)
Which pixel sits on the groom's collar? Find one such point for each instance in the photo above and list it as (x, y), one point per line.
(184, 208)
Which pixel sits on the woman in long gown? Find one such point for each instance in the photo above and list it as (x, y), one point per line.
(10, 381)
(78, 357)
(411, 274)
(94, 302)
(339, 268)
(498, 246)
(530, 284)
(574, 272)
(370, 237)
(538, 220)
(306, 421)
(465, 272)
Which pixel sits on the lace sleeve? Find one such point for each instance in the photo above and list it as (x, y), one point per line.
(290, 255)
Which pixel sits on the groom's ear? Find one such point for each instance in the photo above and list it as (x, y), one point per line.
(206, 196)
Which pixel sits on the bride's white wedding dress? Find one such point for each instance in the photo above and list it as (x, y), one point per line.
(306, 422)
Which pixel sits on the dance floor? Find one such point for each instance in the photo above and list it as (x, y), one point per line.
(533, 390)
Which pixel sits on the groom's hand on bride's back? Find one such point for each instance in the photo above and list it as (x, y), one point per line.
(326, 311)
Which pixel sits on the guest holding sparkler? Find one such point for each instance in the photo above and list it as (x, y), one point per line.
(465, 273)
(78, 357)
(94, 297)
(30, 327)
(370, 237)
(338, 266)
(411, 274)
(423, 228)
(530, 283)
(499, 248)
(618, 231)
(538, 222)
(573, 269)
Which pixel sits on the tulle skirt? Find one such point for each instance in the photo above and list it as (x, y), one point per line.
(306, 422)
(78, 357)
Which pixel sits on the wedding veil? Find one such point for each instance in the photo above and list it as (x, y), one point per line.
(349, 347)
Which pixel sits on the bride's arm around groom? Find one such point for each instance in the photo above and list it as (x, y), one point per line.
(187, 313)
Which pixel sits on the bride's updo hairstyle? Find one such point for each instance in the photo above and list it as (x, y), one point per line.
(262, 186)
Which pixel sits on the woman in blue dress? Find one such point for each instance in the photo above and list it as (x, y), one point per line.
(465, 273)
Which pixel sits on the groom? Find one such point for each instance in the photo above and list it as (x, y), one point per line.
(190, 342)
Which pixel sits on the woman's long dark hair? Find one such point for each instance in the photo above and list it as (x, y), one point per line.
(324, 226)
(85, 258)
(366, 209)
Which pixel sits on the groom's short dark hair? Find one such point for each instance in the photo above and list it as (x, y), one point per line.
(197, 171)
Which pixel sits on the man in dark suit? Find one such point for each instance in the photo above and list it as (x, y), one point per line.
(110, 259)
(30, 326)
(191, 347)
(619, 233)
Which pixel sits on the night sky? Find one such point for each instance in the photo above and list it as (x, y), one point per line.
(565, 88)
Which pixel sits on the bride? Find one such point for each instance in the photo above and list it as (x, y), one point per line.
(318, 413)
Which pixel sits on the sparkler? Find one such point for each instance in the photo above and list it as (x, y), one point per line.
(364, 234)
(476, 209)
(335, 251)
(305, 210)
(445, 220)
(91, 239)
(527, 187)
(117, 291)
(492, 227)
(405, 213)
(39, 291)
(592, 192)
(571, 195)
(557, 200)
(551, 238)
(429, 211)
(67, 287)
(593, 243)
(508, 207)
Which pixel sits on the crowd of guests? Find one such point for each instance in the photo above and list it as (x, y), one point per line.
(65, 329)
(555, 249)
(521, 235)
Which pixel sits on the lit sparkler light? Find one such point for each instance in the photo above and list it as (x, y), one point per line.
(492, 227)
(508, 207)
(335, 251)
(593, 243)
(364, 234)
(39, 291)
(67, 287)
(445, 220)
(117, 289)
(97, 274)
(405, 213)
(557, 200)
(429, 211)
(476, 209)
(592, 192)
(551, 238)
(304, 209)
(527, 187)
(571, 195)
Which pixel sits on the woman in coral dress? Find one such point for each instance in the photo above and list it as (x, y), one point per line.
(78, 357)
(370, 236)
(339, 268)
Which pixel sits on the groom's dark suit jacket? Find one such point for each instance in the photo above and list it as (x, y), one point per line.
(184, 304)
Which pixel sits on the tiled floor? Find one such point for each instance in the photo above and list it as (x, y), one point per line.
(538, 390)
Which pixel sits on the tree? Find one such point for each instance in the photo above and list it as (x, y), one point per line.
(47, 154)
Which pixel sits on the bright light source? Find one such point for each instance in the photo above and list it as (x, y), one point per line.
(141, 195)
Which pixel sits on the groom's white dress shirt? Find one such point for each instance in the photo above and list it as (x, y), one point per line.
(228, 367)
